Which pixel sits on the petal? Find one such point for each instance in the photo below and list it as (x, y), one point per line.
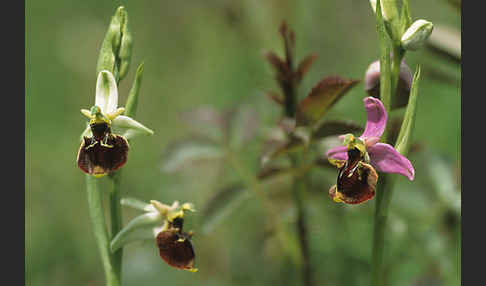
(375, 117)
(175, 248)
(98, 160)
(355, 184)
(338, 153)
(128, 127)
(388, 160)
(106, 92)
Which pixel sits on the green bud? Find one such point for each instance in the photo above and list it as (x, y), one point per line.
(125, 51)
(115, 51)
(416, 35)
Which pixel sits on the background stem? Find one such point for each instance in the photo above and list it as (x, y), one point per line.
(301, 227)
(96, 213)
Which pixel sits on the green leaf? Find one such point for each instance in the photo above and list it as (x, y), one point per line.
(404, 137)
(441, 175)
(244, 124)
(293, 144)
(325, 94)
(335, 127)
(304, 66)
(272, 171)
(188, 152)
(222, 204)
(385, 66)
(132, 101)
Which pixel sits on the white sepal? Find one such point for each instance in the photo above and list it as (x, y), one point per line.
(106, 92)
(128, 127)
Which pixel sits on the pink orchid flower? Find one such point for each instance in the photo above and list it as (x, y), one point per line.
(359, 158)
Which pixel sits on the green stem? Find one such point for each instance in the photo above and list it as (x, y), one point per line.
(96, 213)
(383, 199)
(116, 220)
(385, 185)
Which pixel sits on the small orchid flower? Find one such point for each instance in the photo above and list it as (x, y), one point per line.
(163, 223)
(104, 145)
(359, 158)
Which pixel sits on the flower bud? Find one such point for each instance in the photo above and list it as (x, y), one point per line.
(372, 83)
(416, 35)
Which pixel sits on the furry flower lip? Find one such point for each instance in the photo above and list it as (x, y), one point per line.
(360, 158)
(104, 145)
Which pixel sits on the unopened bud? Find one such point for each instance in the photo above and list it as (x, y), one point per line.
(416, 35)
(372, 83)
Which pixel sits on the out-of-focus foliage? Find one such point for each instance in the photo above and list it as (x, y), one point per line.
(210, 53)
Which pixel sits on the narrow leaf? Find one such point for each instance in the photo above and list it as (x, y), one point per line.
(404, 137)
(326, 93)
(222, 204)
(331, 128)
(305, 65)
(275, 97)
(293, 144)
(132, 101)
(278, 64)
(272, 171)
(188, 152)
(244, 125)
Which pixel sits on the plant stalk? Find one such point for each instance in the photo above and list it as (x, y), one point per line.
(301, 228)
(116, 220)
(96, 213)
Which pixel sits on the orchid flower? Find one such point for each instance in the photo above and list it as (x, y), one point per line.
(163, 223)
(359, 158)
(104, 145)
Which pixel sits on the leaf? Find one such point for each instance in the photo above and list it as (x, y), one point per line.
(278, 64)
(224, 202)
(404, 137)
(304, 66)
(331, 128)
(326, 93)
(188, 152)
(244, 125)
(385, 66)
(207, 122)
(293, 144)
(132, 101)
(275, 97)
(441, 175)
(272, 171)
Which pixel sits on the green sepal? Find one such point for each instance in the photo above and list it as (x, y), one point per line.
(402, 144)
(139, 228)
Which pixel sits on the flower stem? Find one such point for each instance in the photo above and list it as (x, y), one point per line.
(389, 82)
(96, 213)
(116, 220)
(383, 198)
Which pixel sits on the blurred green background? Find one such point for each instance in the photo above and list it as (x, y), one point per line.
(210, 53)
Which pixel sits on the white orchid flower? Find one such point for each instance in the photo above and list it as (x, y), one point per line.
(107, 101)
